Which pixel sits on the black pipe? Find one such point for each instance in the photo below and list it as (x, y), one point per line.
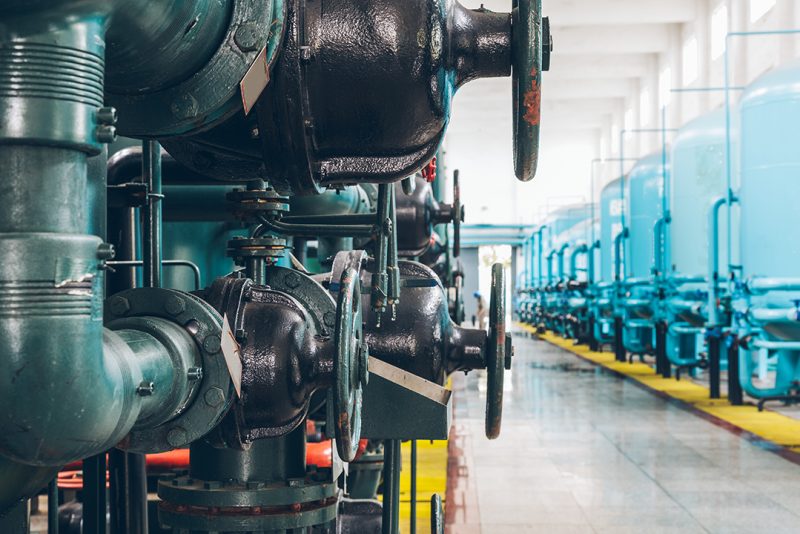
(735, 396)
(52, 506)
(151, 216)
(714, 366)
(391, 487)
(94, 494)
(619, 346)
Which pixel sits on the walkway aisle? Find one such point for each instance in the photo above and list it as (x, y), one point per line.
(583, 451)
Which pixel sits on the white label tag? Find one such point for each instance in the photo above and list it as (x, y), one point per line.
(233, 357)
(255, 81)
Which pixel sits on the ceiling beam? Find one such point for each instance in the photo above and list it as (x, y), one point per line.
(600, 40)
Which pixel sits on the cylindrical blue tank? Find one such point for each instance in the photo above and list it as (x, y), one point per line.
(610, 225)
(770, 176)
(697, 179)
(644, 190)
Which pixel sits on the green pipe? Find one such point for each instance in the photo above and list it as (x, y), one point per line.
(573, 260)
(73, 387)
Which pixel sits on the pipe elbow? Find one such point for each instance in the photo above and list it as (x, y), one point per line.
(69, 402)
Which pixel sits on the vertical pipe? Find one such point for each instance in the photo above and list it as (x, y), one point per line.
(393, 271)
(735, 396)
(151, 174)
(301, 249)
(94, 494)
(413, 526)
(52, 506)
(151, 272)
(380, 279)
(391, 487)
(714, 365)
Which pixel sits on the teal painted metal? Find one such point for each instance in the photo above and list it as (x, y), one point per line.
(644, 189)
(611, 211)
(697, 179)
(770, 165)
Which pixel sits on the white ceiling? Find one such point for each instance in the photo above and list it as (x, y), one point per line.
(602, 49)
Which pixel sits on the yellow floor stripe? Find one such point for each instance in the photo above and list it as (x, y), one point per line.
(431, 478)
(770, 426)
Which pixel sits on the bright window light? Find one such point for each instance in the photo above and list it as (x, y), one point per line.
(719, 29)
(628, 119)
(664, 86)
(759, 8)
(690, 60)
(644, 105)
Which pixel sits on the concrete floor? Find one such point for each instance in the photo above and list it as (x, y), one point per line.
(584, 451)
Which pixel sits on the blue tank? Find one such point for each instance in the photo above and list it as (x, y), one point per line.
(644, 190)
(610, 226)
(769, 115)
(698, 179)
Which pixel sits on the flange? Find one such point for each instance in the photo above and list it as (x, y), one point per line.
(214, 395)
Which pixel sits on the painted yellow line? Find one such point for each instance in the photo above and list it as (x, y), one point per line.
(769, 426)
(431, 478)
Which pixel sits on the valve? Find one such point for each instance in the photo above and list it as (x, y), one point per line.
(499, 352)
(294, 339)
(421, 338)
(351, 369)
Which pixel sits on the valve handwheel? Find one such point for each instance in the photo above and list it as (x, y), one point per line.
(498, 354)
(458, 215)
(530, 52)
(350, 365)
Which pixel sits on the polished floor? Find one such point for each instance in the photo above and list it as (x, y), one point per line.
(584, 451)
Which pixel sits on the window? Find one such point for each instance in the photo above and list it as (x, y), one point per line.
(690, 60)
(628, 119)
(759, 8)
(719, 29)
(614, 138)
(664, 86)
(644, 105)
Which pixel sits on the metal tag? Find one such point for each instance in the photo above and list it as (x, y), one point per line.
(233, 359)
(255, 81)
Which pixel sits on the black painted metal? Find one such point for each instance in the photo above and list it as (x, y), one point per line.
(735, 394)
(663, 366)
(94, 494)
(619, 346)
(714, 344)
(391, 487)
(284, 360)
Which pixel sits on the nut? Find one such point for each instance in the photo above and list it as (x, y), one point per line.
(120, 305)
(214, 397)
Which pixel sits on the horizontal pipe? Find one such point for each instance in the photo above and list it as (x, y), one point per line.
(775, 345)
(759, 285)
(773, 315)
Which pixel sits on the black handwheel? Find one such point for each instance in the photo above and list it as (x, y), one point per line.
(437, 515)
(496, 352)
(528, 49)
(350, 365)
(458, 214)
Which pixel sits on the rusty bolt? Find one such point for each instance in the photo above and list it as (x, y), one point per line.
(120, 305)
(177, 437)
(246, 37)
(214, 397)
(212, 344)
(292, 280)
(174, 305)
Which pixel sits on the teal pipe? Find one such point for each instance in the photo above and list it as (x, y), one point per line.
(560, 255)
(540, 252)
(595, 246)
(785, 376)
(573, 260)
(72, 388)
(659, 234)
(618, 276)
(765, 284)
(550, 267)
